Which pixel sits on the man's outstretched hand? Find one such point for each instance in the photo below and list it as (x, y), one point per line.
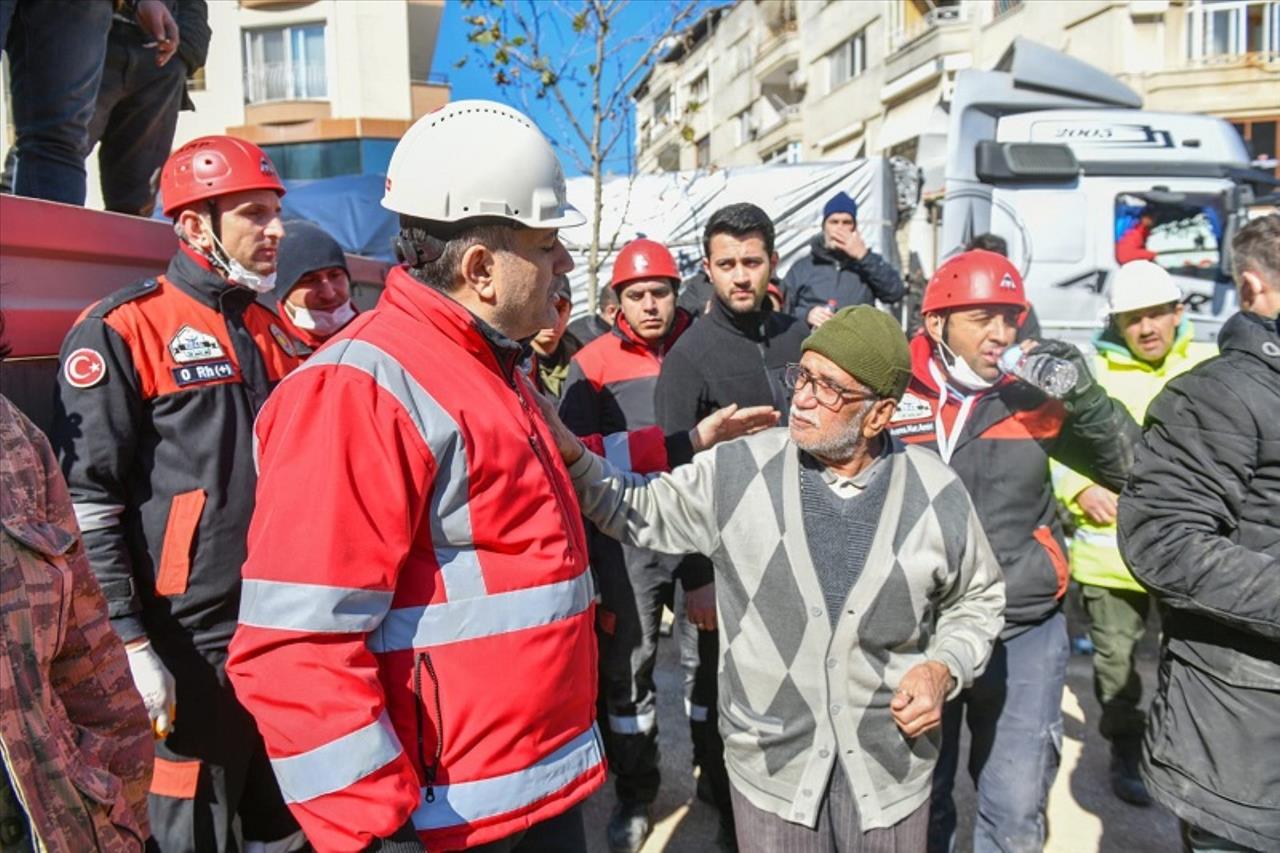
(731, 422)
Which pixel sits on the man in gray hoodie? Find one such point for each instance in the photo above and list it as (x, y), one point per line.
(855, 592)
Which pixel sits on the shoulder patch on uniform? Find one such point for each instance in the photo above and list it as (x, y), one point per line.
(912, 408)
(190, 344)
(84, 368)
(283, 340)
(128, 293)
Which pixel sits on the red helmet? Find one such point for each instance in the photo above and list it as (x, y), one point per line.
(641, 260)
(211, 166)
(974, 278)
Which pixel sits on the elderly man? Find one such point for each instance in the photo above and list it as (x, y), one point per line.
(1200, 529)
(1146, 342)
(855, 588)
(840, 270)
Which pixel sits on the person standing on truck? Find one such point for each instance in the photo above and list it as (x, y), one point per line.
(313, 285)
(1146, 342)
(1199, 528)
(999, 434)
(157, 392)
(840, 270)
(610, 390)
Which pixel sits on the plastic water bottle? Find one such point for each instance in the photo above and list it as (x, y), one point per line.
(1052, 375)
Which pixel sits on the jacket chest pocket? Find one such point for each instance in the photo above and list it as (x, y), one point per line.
(179, 533)
(39, 550)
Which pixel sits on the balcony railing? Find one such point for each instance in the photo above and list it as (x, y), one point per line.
(939, 17)
(285, 81)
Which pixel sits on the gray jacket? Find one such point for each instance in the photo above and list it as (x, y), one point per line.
(795, 693)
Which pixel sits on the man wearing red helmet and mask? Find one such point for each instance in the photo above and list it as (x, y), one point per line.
(999, 433)
(610, 390)
(157, 393)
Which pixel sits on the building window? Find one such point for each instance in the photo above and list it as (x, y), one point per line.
(700, 89)
(740, 57)
(788, 153)
(846, 61)
(1218, 29)
(663, 107)
(1003, 7)
(331, 158)
(742, 127)
(284, 63)
(1260, 134)
(703, 149)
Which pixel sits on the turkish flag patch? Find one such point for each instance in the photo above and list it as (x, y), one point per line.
(84, 368)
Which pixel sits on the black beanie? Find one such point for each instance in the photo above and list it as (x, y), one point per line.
(305, 247)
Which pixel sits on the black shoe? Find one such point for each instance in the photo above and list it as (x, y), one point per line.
(1125, 781)
(628, 828)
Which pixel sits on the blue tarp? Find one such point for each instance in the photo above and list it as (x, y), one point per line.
(348, 208)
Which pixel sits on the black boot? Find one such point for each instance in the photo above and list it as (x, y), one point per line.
(629, 826)
(1125, 779)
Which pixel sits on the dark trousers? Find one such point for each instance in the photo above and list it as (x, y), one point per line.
(634, 585)
(214, 786)
(563, 833)
(56, 50)
(134, 119)
(838, 828)
(1118, 619)
(1014, 714)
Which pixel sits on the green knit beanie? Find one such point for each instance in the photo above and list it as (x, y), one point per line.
(869, 345)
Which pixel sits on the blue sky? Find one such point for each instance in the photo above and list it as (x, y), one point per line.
(639, 18)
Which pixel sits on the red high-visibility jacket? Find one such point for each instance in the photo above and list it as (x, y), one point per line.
(415, 633)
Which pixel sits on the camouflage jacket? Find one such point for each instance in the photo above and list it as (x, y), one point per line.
(74, 735)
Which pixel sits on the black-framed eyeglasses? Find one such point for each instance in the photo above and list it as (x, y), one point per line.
(828, 394)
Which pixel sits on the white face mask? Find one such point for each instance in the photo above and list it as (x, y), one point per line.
(236, 272)
(959, 370)
(322, 322)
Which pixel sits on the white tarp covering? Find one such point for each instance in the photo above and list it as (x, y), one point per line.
(673, 208)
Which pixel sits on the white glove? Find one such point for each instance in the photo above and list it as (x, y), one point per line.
(156, 684)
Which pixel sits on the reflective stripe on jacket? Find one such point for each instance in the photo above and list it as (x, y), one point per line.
(1095, 558)
(416, 628)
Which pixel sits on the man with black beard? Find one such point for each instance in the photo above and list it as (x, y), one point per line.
(737, 353)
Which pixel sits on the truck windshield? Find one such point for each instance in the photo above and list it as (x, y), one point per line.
(1181, 232)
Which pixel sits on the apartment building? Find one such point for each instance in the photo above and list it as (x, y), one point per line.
(327, 87)
(759, 81)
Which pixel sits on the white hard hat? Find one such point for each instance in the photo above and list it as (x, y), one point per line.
(478, 158)
(1141, 284)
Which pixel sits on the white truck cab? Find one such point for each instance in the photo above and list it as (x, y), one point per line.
(1058, 158)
